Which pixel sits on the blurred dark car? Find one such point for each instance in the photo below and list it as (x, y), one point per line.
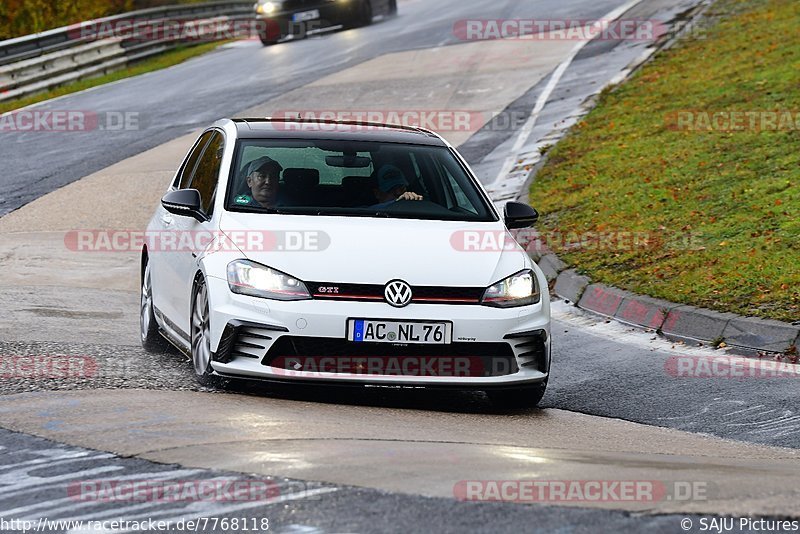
(279, 19)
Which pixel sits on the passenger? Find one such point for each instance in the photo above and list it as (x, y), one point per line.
(391, 185)
(263, 179)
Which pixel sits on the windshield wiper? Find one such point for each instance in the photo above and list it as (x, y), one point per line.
(318, 212)
(340, 213)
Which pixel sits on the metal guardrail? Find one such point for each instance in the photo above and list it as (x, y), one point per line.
(45, 60)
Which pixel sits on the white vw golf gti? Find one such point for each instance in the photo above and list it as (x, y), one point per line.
(343, 253)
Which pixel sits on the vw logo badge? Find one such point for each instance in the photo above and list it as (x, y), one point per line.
(397, 293)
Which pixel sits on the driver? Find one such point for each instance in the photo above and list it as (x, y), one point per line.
(390, 186)
(263, 179)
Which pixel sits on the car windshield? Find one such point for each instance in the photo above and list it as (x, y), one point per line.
(353, 178)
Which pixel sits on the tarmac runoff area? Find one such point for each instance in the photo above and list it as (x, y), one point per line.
(420, 452)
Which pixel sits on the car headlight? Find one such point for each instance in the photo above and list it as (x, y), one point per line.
(267, 8)
(518, 289)
(249, 278)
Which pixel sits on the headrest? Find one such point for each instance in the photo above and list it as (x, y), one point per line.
(356, 182)
(301, 178)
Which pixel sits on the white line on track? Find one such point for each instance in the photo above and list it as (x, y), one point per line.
(527, 128)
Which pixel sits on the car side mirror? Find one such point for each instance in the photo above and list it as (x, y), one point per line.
(184, 202)
(519, 215)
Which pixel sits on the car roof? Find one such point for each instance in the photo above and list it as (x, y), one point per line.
(274, 128)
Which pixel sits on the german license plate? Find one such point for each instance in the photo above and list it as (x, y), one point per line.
(305, 15)
(416, 332)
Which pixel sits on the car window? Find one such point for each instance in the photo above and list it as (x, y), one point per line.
(291, 158)
(206, 173)
(461, 199)
(185, 174)
(358, 178)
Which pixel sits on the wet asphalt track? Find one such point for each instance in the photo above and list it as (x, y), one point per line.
(175, 101)
(607, 374)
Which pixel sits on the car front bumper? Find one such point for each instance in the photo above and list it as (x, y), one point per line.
(522, 333)
(331, 13)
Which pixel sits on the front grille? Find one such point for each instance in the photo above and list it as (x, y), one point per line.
(374, 293)
(466, 295)
(294, 5)
(333, 291)
(335, 355)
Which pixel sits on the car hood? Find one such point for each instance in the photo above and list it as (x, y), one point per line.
(377, 250)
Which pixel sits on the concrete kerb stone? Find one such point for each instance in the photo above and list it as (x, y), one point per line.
(761, 334)
(697, 323)
(603, 299)
(671, 319)
(549, 272)
(537, 249)
(554, 262)
(570, 285)
(551, 266)
(644, 311)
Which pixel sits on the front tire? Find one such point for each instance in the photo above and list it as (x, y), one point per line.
(148, 328)
(523, 397)
(267, 41)
(201, 336)
(269, 33)
(364, 14)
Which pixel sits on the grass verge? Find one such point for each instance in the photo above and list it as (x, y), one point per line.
(167, 59)
(717, 213)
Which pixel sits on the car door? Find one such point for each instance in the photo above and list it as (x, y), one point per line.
(194, 235)
(161, 252)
